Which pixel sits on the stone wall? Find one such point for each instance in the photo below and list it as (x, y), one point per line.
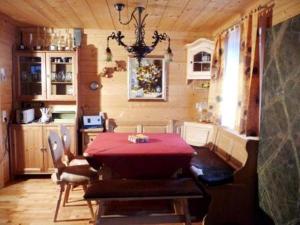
(279, 155)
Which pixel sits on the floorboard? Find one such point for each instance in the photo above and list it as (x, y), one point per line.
(32, 202)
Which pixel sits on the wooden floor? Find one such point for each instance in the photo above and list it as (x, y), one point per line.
(33, 201)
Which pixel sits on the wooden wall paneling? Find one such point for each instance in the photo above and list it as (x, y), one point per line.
(32, 15)
(114, 14)
(204, 15)
(66, 11)
(171, 13)
(83, 11)
(155, 9)
(185, 15)
(14, 13)
(282, 10)
(7, 40)
(104, 20)
(190, 12)
(112, 97)
(49, 12)
(214, 20)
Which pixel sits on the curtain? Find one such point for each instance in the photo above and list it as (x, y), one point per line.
(231, 79)
(215, 90)
(252, 44)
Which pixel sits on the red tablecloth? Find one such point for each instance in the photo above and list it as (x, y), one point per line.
(163, 155)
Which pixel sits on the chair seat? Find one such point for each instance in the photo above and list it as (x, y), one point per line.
(78, 160)
(77, 174)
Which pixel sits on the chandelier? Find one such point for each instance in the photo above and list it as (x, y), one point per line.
(139, 49)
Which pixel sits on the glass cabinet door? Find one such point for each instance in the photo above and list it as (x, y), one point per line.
(31, 75)
(61, 76)
(201, 62)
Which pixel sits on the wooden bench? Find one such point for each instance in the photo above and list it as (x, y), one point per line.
(226, 169)
(178, 190)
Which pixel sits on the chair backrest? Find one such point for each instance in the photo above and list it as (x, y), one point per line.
(56, 148)
(65, 137)
(66, 140)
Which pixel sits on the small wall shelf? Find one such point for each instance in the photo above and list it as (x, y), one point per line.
(199, 56)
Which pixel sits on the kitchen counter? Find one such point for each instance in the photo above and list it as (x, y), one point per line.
(44, 124)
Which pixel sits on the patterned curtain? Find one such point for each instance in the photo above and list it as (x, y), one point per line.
(251, 65)
(215, 90)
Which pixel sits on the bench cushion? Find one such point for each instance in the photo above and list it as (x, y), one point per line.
(135, 189)
(210, 169)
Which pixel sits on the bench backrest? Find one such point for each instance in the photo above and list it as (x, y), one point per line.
(233, 147)
(140, 126)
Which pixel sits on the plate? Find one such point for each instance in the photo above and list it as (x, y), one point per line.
(94, 85)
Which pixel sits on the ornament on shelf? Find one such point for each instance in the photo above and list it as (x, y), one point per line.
(38, 45)
(22, 45)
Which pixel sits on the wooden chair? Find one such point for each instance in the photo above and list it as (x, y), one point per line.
(68, 175)
(66, 140)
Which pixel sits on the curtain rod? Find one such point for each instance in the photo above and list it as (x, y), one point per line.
(267, 5)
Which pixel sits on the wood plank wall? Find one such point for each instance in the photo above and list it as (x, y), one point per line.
(283, 10)
(112, 97)
(7, 40)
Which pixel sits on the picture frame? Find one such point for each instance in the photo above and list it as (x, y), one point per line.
(148, 81)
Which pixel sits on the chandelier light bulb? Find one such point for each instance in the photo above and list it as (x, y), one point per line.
(108, 55)
(169, 55)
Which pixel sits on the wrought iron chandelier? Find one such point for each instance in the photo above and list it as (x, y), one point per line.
(139, 49)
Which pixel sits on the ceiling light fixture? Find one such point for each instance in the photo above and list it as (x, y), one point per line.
(139, 49)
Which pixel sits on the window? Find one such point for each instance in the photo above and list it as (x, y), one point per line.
(231, 79)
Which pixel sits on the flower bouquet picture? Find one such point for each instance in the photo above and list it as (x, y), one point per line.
(147, 81)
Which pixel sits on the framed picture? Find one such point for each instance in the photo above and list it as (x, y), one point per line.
(147, 81)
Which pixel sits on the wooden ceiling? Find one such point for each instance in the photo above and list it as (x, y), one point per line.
(177, 15)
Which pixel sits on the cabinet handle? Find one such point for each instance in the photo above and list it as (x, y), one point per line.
(191, 62)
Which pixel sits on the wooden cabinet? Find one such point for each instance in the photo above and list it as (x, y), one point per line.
(197, 134)
(30, 149)
(45, 75)
(88, 136)
(199, 56)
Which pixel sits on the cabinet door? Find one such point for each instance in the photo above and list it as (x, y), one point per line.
(31, 76)
(200, 63)
(88, 138)
(28, 150)
(61, 76)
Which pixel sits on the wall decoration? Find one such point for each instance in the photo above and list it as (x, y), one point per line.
(147, 81)
(111, 67)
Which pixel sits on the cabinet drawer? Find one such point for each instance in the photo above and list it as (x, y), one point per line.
(89, 138)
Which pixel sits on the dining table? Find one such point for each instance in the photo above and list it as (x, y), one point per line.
(162, 156)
